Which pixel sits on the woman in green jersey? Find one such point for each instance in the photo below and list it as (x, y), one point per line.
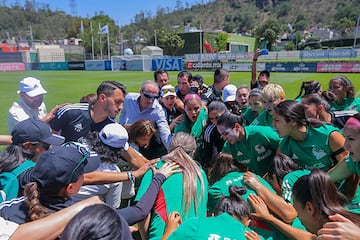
(309, 142)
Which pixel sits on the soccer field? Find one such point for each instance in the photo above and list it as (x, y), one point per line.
(69, 86)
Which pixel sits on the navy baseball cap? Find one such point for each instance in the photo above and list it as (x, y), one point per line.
(61, 165)
(33, 130)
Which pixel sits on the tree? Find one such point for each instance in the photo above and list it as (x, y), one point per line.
(344, 25)
(170, 42)
(270, 30)
(221, 41)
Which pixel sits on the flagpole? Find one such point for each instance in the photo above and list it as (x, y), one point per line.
(92, 41)
(101, 56)
(108, 43)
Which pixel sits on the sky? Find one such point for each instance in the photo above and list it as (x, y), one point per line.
(122, 11)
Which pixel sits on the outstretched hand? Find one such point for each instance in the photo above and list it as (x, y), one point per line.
(168, 169)
(251, 180)
(143, 169)
(339, 228)
(261, 210)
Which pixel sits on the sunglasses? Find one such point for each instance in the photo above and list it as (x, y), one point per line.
(148, 95)
(44, 145)
(83, 150)
(166, 90)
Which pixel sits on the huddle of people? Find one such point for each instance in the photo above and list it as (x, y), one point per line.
(189, 161)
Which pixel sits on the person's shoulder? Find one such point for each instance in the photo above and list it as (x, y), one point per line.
(15, 105)
(74, 108)
(132, 96)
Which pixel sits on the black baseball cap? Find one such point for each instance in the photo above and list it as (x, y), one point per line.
(33, 130)
(266, 72)
(61, 165)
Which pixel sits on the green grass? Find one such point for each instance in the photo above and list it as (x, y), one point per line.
(69, 86)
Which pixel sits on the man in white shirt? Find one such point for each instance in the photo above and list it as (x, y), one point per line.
(31, 104)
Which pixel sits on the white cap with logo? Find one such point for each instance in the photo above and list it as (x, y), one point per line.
(31, 86)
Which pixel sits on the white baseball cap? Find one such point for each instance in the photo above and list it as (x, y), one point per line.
(230, 93)
(167, 90)
(31, 86)
(114, 135)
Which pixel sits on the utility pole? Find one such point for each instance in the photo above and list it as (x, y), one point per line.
(356, 30)
(155, 37)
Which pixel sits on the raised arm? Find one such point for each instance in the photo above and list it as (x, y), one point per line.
(253, 68)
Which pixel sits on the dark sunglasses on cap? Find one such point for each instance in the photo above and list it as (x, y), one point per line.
(148, 95)
(166, 90)
(83, 151)
(44, 145)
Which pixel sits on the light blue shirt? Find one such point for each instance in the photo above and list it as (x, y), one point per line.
(155, 114)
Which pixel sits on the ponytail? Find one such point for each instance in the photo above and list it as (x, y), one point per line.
(32, 194)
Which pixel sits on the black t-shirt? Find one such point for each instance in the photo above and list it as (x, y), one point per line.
(74, 122)
(210, 95)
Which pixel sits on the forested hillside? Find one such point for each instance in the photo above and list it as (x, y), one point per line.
(233, 16)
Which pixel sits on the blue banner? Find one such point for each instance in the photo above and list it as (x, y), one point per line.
(291, 67)
(107, 64)
(96, 65)
(168, 64)
(53, 66)
(336, 53)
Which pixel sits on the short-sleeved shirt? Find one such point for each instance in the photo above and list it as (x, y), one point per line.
(220, 189)
(109, 193)
(249, 116)
(263, 119)
(346, 104)
(313, 151)
(353, 167)
(222, 226)
(211, 94)
(171, 114)
(20, 111)
(155, 114)
(289, 181)
(74, 122)
(213, 143)
(256, 85)
(169, 199)
(7, 228)
(195, 129)
(257, 150)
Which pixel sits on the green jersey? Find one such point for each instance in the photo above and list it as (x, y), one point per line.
(257, 150)
(220, 189)
(313, 151)
(249, 116)
(222, 226)
(170, 198)
(196, 130)
(346, 104)
(264, 119)
(289, 181)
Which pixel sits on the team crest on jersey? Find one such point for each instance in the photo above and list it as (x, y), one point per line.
(78, 127)
(318, 153)
(239, 154)
(260, 149)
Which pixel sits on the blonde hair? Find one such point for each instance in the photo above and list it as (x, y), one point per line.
(273, 91)
(181, 150)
